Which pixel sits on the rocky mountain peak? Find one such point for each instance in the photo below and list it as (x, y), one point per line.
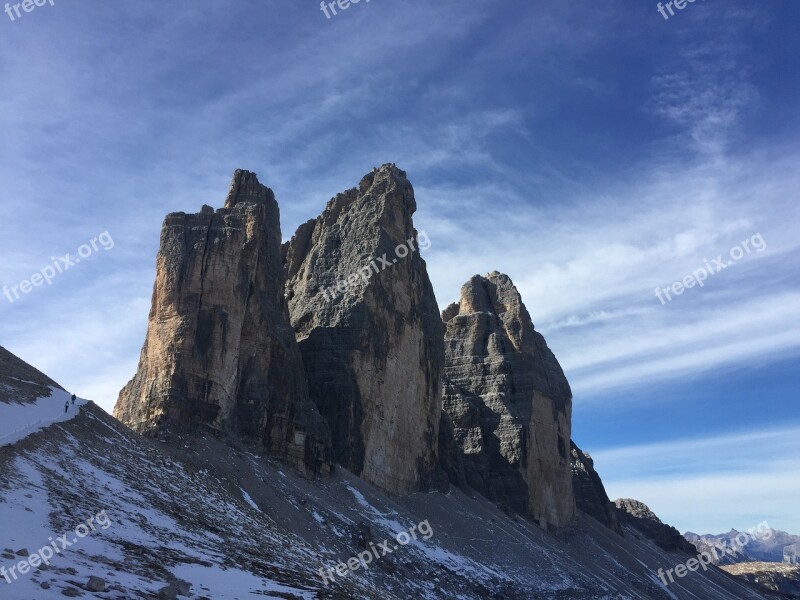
(638, 515)
(369, 330)
(509, 402)
(245, 187)
(220, 352)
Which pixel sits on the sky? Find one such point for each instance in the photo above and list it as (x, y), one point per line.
(594, 152)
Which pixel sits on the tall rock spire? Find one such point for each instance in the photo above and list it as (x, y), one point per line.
(509, 402)
(220, 352)
(369, 331)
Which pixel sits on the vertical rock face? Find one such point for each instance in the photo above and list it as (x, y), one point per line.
(590, 494)
(509, 402)
(220, 351)
(369, 331)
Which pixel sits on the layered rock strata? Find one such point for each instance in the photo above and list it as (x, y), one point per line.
(220, 352)
(369, 331)
(509, 402)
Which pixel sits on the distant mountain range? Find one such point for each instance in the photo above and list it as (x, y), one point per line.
(769, 545)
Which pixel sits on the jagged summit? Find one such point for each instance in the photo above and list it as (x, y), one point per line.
(245, 187)
(509, 402)
(220, 352)
(369, 330)
(638, 514)
(328, 350)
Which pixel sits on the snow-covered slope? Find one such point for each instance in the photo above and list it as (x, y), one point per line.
(137, 514)
(19, 420)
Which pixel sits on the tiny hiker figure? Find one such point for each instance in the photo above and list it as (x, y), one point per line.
(73, 399)
(66, 406)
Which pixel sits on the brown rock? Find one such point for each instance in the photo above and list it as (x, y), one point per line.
(220, 352)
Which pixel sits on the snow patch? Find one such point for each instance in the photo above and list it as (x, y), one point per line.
(18, 421)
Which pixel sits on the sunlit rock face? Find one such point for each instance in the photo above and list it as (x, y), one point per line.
(373, 348)
(220, 352)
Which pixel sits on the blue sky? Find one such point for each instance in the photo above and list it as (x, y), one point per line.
(592, 151)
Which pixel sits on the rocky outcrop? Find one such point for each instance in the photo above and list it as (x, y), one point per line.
(369, 331)
(590, 494)
(637, 515)
(220, 352)
(509, 402)
(20, 382)
(791, 554)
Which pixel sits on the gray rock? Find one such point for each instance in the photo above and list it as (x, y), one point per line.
(590, 494)
(220, 351)
(182, 587)
(167, 593)
(23, 552)
(509, 403)
(638, 515)
(373, 350)
(96, 584)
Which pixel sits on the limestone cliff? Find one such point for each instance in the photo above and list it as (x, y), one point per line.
(369, 331)
(220, 351)
(509, 402)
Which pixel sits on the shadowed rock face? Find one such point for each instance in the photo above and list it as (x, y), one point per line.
(220, 351)
(509, 402)
(373, 350)
(636, 514)
(590, 494)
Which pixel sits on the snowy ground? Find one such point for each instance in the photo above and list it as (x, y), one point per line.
(18, 420)
(240, 526)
